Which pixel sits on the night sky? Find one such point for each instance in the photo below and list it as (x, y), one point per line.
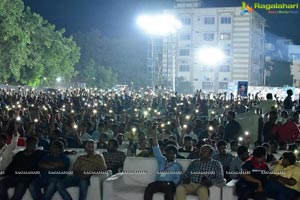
(116, 18)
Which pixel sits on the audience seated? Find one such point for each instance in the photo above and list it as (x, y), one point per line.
(235, 167)
(252, 181)
(24, 161)
(201, 174)
(83, 168)
(53, 168)
(114, 158)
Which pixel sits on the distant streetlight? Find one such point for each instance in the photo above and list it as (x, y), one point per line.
(159, 25)
(58, 79)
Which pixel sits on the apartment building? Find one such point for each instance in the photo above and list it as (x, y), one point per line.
(240, 37)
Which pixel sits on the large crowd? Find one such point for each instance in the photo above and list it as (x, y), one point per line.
(52, 124)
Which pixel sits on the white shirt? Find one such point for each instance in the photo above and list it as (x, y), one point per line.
(6, 153)
(266, 105)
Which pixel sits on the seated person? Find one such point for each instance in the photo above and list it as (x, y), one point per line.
(26, 160)
(200, 175)
(234, 146)
(223, 157)
(273, 147)
(168, 176)
(284, 182)
(50, 164)
(83, 168)
(283, 145)
(251, 183)
(270, 156)
(236, 164)
(114, 159)
(187, 145)
(196, 154)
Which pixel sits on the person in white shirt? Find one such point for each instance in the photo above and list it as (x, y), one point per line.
(267, 105)
(6, 150)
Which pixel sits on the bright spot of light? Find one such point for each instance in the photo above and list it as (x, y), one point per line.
(210, 56)
(159, 25)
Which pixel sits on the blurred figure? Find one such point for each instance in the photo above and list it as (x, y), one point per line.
(236, 164)
(232, 128)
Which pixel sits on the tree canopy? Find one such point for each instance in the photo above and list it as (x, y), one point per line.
(107, 61)
(31, 49)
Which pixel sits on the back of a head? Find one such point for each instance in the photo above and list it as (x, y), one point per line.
(289, 92)
(171, 147)
(269, 96)
(259, 151)
(241, 150)
(290, 156)
(221, 143)
(32, 139)
(59, 144)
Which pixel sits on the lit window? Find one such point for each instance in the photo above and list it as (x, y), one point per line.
(225, 36)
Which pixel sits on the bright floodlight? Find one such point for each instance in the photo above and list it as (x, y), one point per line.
(159, 25)
(58, 79)
(210, 56)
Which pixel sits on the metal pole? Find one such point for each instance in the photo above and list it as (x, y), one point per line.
(174, 70)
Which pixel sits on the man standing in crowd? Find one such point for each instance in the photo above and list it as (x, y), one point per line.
(169, 171)
(232, 128)
(267, 105)
(200, 175)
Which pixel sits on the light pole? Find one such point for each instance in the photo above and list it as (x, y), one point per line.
(158, 25)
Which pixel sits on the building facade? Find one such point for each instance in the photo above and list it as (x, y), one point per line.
(294, 55)
(241, 38)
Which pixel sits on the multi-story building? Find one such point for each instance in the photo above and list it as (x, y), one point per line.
(240, 37)
(294, 54)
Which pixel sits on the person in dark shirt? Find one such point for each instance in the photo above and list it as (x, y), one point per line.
(53, 168)
(254, 176)
(114, 159)
(24, 161)
(232, 128)
(268, 126)
(288, 102)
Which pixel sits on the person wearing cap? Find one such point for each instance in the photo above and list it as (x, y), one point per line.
(168, 173)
